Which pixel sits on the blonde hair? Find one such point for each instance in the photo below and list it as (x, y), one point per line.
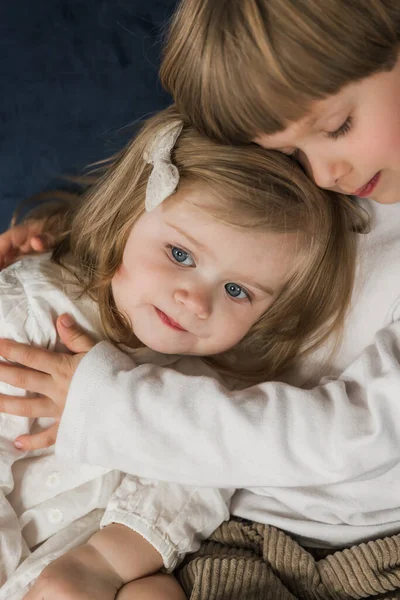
(239, 68)
(251, 188)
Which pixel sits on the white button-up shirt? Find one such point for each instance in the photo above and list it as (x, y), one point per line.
(49, 504)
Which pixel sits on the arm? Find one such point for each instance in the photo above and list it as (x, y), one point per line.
(169, 426)
(171, 520)
(99, 568)
(26, 238)
(79, 574)
(127, 553)
(269, 435)
(174, 519)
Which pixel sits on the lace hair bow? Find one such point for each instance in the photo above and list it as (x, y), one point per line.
(164, 177)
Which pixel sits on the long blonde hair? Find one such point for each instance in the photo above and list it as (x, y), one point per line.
(251, 188)
(239, 68)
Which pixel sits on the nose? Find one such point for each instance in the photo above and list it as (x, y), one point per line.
(195, 301)
(326, 172)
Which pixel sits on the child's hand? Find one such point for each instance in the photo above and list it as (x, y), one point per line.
(81, 574)
(26, 238)
(46, 373)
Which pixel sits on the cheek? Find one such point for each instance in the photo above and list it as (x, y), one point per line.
(125, 284)
(391, 144)
(140, 282)
(232, 328)
(119, 285)
(381, 139)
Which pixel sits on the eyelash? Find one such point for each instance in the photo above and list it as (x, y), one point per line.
(171, 248)
(248, 295)
(342, 130)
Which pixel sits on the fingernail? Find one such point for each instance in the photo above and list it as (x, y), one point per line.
(66, 320)
(18, 445)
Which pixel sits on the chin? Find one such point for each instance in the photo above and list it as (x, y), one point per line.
(158, 345)
(387, 199)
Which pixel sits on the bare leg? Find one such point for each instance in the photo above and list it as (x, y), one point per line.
(154, 587)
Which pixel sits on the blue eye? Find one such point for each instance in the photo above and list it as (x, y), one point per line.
(236, 291)
(182, 257)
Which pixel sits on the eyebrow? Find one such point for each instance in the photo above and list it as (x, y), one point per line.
(311, 120)
(267, 290)
(191, 239)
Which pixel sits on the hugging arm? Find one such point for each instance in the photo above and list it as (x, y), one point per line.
(189, 429)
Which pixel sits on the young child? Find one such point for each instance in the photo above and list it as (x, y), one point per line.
(184, 247)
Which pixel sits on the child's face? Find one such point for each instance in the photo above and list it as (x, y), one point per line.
(193, 285)
(350, 142)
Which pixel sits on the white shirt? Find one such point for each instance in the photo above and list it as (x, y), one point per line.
(323, 464)
(49, 504)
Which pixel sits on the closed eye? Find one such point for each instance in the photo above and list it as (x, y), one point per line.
(342, 130)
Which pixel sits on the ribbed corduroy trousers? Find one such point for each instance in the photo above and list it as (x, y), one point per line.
(250, 561)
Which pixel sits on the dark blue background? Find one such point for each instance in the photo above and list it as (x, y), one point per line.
(73, 73)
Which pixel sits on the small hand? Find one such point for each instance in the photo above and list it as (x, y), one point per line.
(80, 574)
(43, 372)
(26, 238)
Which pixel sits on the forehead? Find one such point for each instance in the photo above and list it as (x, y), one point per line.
(319, 115)
(247, 253)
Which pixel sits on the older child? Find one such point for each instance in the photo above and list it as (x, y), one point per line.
(185, 247)
(316, 79)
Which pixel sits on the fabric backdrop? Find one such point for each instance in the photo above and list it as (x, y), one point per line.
(73, 74)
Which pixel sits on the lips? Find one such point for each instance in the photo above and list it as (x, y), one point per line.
(367, 189)
(168, 321)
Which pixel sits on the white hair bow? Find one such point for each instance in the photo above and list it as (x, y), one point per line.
(164, 177)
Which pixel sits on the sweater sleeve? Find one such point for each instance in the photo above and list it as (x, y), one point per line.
(189, 429)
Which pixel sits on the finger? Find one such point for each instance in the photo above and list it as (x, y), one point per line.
(39, 359)
(36, 441)
(73, 336)
(13, 238)
(20, 234)
(19, 240)
(40, 243)
(5, 244)
(28, 406)
(25, 379)
(6, 259)
(7, 251)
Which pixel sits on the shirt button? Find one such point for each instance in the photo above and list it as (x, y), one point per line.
(55, 515)
(53, 479)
